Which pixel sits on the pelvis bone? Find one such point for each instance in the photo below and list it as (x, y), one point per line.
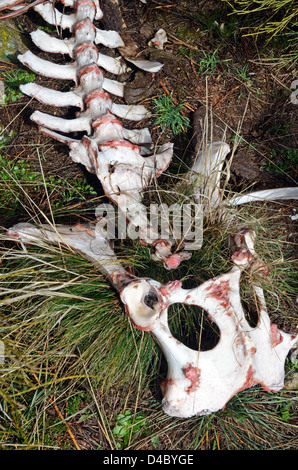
(197, 382)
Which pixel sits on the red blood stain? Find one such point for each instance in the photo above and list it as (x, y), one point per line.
(164, 384)
(249, 382)
(106, 119)
(89, 69)
(240, 255)
(82, 2)
(275, 336)
(172, 261)
(97, 94)
(220, 292)
(165, 290)
(192, 374)
(82, 24)
(82, 47)
(114, 144)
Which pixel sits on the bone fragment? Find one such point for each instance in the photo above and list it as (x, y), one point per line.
(113, 152)
(90, 242)
(52, 97)
(159, 39)
(265, 195)
(6, 4)
(206, 173)
(146, 65)
(48, 69)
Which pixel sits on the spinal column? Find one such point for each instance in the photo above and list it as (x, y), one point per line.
(124, 160)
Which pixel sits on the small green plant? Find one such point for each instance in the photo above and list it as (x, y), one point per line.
(208, 62)
(242, 73)
(6, 138)
(168, 114)
(13, 79)
(128, 425)
(285, 411)
(282, 162)
(17, 174)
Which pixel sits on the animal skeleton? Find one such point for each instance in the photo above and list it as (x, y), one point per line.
(198, 382)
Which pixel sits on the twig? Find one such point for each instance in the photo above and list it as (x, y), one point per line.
(53, 400)
(20, 11)
(179, 41)
(66, 424)
(227, 94)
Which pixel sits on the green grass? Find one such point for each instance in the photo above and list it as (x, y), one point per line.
(12, 80)
(282, 162)
(168, 114)
(20, 181)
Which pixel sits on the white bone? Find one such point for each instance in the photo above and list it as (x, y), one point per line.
(64, 72)
(71, 3)
(48, 69)
(48, 43)
(90, 242)
(201, 382)
(159, 39)
(56, 123)
(9, 3)
(52, 97)
(108, 38)
(265, 195)
(120, 166)
(74, 98)
(130, 112)
(54, 17)
(146, 65)
(205, 176)
(206, 173)
(111, 64)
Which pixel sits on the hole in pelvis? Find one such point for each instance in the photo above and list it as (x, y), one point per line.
(192, 326)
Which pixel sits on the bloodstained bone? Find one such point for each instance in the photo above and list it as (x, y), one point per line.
(107, 144)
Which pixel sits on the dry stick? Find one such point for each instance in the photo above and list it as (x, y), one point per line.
(179, 41)
(227, 94)
(66, 424)
(20, 11)
(53, 400)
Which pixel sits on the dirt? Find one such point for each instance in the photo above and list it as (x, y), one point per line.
(259, 105)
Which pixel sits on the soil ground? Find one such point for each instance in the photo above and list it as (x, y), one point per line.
(243, 92)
